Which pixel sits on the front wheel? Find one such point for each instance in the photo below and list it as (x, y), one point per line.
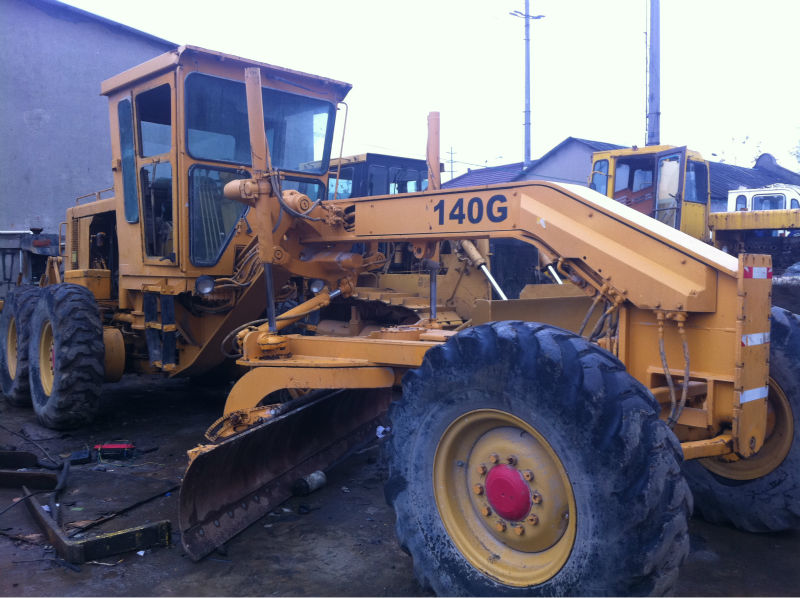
(762, 493)
(526, 461)
(66, 356)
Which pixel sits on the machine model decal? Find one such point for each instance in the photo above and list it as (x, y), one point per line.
(474, 210)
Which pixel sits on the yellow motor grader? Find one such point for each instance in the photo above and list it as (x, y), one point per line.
(541, 445)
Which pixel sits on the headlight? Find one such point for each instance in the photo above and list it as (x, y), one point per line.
(204, 285)
(316, 285)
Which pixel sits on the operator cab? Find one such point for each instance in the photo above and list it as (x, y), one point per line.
(370, 174)
(670, 184)
(180, 132)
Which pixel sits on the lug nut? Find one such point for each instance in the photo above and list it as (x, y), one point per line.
(519, 530)
(528, 475)
(477, 489)
(482, 469)
(511, 460)
(537, 498)
(486, 510)
(500, 525)
(533, 519)
(494, 458)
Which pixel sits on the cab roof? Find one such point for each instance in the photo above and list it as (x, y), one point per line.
(170, 60)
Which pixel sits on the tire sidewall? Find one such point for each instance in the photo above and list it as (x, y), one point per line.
(74, 399)
(18, 306)
(42, 314)
(548, 399)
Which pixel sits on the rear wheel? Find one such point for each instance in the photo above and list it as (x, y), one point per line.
(527, 461)
(762, 493)
(14, 333)
(66, 356)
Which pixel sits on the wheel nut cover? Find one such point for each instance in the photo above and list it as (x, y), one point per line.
(508, 493)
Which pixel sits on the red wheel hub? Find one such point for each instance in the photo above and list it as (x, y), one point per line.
(508, 493)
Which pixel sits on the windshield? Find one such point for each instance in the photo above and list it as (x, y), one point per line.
(299, 129)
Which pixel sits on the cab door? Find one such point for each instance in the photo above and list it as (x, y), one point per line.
(670, 166)
(696, 198)
(155, 129)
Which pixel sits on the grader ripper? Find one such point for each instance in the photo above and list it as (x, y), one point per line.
(537, 444)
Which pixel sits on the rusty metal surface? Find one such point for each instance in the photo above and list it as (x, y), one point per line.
(38, 480)
(233, 485)
(10, 461)
(13, 459)
(81, 551)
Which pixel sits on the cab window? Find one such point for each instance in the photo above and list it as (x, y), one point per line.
(741, 203)
(377, 180)
(155, 122)
(403, 180)
(771, 201)
(600, 177)
(345, 187)
(696, 182)
(128, 157)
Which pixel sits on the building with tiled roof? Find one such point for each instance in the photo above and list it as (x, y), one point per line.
(568, 162)
(571, 162)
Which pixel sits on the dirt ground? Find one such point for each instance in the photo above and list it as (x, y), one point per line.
(338, 541)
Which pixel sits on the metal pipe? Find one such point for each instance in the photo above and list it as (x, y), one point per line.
(433, 272)
(270, 297)
(341, 151)
(555, 274)
(480, 262)
(654, 76)
(494, 284)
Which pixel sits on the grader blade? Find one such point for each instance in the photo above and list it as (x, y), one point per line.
(231, 486)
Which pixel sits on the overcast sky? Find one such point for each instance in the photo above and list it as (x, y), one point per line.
(730, 82)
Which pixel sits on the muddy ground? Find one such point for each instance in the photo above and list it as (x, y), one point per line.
(338, 541)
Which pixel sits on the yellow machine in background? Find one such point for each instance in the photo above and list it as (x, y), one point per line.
(671, 184)
(536, 444)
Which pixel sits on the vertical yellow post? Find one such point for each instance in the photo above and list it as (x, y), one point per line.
(262, 165)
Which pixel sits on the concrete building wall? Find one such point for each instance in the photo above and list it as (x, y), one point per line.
(54, 131)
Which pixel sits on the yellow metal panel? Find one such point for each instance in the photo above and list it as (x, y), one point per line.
(565, 312)
(261, 381)
(694, 219)
(97, 281)
(766, 219)
(752, 358)
(667, 269)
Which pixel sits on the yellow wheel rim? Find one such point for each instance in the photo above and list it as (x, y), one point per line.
(778, 442)
(504, 497)
(11, 348)
(47, 358)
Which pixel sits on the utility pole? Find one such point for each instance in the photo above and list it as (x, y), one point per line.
(527, 17)
(654, 75)
(451, 152)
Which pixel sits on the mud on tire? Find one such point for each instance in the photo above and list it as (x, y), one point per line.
(622, 463)
(66, 356)
(14, 335)
(761, 494)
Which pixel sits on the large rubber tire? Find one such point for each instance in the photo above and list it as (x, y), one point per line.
(14, 335)
(66, 356)
(761, 494)
(627, 519)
